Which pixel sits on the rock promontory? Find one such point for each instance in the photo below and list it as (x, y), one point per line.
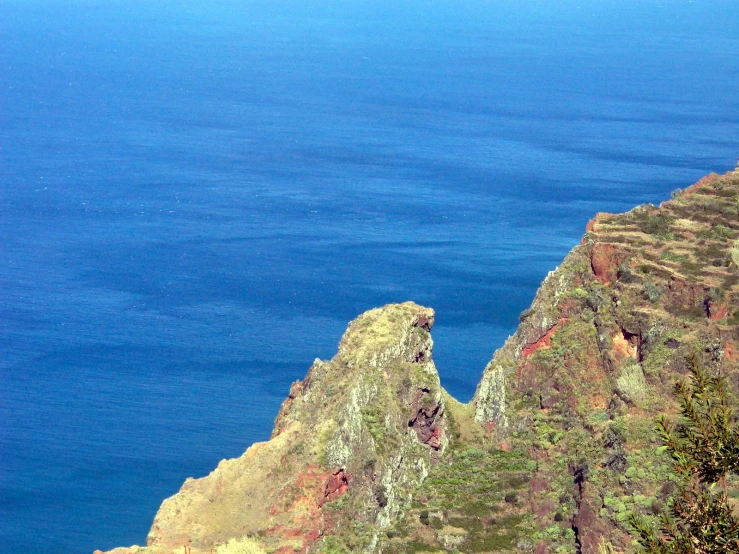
(555, 450)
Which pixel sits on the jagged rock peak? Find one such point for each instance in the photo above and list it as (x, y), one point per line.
(351, 442)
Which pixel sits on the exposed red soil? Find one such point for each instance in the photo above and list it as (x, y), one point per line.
(544, 342)
(604, 260)
(591, 225)
(707, 180)
(717, 312)
(731, 352)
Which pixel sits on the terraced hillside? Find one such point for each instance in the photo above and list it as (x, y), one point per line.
(595, 358)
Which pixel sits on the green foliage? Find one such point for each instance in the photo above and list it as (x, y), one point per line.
(631, 383)
(657, 224)
(330, 545)
(704, 448)
(721, 232)
(734, 252)
(475, 491)
(672, 257)
(652, 292)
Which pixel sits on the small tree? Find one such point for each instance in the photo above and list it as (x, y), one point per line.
(704, 447)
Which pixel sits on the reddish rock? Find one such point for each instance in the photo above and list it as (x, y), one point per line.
(685, 294)
(549, 398)
(435, 440)
(591, 225)
(731, 352)
(426, 421)
(568, 307)
(538, 485)
(716, 312)
(424, 322)
(337, 485)
(544, 509)
(543, 343)
(604, 261)
(707, 180)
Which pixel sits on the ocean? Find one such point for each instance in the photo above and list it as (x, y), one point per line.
(197, 197)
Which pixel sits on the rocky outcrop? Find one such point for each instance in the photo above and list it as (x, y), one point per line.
(427, 419)
(337, 485)
(362, 429)
(604, 260)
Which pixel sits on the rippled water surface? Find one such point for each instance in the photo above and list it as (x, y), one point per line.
(196, 197)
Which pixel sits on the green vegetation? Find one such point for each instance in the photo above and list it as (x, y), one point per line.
(704, 448)
(470, 501)
(657, 223)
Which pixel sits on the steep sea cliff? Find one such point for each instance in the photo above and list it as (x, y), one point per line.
(369, 453)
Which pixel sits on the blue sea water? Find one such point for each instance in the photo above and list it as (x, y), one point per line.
(196, 197)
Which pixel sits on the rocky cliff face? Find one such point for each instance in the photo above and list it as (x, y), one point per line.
(370, 454)
(595, 358)
(350, 444)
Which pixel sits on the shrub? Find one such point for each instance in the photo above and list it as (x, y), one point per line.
(652, 292)
(705, 450)
(528, 312)
(631, 383)
(656, 224)
(721, 232)
(511, 498)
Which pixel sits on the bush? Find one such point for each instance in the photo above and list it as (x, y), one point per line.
(528, 312)
(652, 292)
(657, 224)
(511, 498)
(705, 450)
(631, 383)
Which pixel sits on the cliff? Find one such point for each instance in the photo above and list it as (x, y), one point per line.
(369, 453)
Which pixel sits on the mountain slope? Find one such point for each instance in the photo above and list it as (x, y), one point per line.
(369, 453)
(596, 356)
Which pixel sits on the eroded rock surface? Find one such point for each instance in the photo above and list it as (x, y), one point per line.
(343, 434)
